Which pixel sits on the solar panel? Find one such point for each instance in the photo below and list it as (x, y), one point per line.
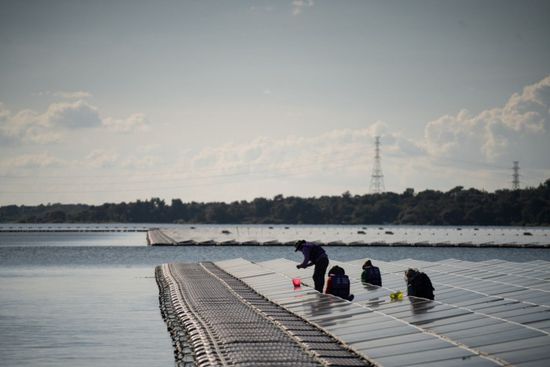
(420, 357)
(473, 308)
(349, 235)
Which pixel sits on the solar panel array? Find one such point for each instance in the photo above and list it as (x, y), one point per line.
(485, 313)
(354, 235)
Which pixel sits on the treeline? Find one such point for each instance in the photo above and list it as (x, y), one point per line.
(459, 206)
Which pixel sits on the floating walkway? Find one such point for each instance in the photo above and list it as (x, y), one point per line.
(215, 320)
(418, 236)
(490, 313)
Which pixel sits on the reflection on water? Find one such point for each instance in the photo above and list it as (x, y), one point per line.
(420, 305)
(369, 286)
(64, 316)
(71, 239)
(321, 306)
(368, 298)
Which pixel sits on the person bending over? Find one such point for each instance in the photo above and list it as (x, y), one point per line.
(313, 255)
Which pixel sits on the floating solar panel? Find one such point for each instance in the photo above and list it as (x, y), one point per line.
(349, 235)
(481, 314)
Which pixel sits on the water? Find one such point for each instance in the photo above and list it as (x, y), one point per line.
(66, 316)
(90, 299)
(61, 305)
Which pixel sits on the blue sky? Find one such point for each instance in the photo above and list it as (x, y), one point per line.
(109, 101)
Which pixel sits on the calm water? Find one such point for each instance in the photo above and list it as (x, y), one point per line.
(90, 299)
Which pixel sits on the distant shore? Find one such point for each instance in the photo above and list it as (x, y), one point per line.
(456, 207)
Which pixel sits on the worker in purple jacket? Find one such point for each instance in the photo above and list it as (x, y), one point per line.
(313, 255)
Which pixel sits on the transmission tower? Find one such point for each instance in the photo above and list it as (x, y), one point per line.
(377, 177)
(515, 176)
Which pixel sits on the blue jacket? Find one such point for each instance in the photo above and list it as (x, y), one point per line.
(338, 285)
(371, 275)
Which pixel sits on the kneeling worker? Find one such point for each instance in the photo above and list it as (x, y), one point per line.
(313, 255)
(419, 284)
(371, 274)
(338, 283)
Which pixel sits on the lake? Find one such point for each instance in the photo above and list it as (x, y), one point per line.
(90, 298)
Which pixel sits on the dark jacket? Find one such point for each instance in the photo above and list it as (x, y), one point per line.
(420, 286)
(371, 275)
(338, 285)
(312, 254)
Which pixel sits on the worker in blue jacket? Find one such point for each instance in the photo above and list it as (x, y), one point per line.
(371, 274)
(313, 255)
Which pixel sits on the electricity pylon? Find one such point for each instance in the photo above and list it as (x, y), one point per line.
(515, 176)
(377, 177)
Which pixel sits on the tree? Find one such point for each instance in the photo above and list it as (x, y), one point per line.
(455, 207)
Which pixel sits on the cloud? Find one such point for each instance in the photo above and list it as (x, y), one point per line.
(496, 134)
(64, 94)
(468, 149)
(141, 162)
(101, 158)
(135, 122)
(40, 160)
(30, 126)
(108, 158)
(78, 114)
(26, 126)
(59, 120)
(378, 128)
(341, 150)
(73, 95)
(299, 5)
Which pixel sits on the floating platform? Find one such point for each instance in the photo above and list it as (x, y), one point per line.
(417, 236)
(490, 313)
(71, 227)
(216, 320)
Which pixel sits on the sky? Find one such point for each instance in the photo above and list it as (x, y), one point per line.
(112, 101)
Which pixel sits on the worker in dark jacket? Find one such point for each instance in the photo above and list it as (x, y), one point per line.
(371, 274)
(419, 284)
(338, 283)
(313, 255)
